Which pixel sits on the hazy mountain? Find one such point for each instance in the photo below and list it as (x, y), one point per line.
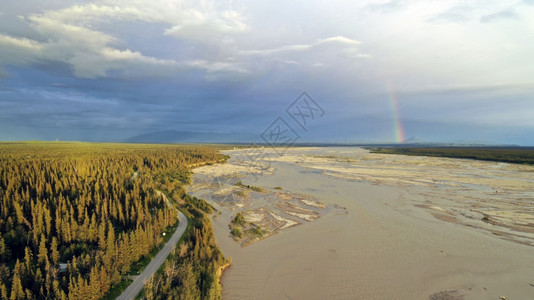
(414, 140)
(175, 136)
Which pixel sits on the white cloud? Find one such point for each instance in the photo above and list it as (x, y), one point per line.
(18, 50)
(89, 52)
(76, 35)
(218, 39)
(483, 11)
(198, 21)
(58, 31)
(459, 13)
(206, 27)
(507, 14)
(20, 43)
(386, 7)
(342, 42)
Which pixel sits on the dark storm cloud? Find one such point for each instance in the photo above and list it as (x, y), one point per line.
(111, 70)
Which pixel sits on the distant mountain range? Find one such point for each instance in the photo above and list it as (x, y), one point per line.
(175, 136)
(415, 141)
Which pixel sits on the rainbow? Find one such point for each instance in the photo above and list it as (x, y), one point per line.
(394, 104)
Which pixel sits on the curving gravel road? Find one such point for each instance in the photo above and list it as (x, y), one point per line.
(137, 285)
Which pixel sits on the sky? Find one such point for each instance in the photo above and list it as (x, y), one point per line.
(318, 71)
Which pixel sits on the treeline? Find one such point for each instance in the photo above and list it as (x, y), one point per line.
(516, 155)
(195, 266)
(75, 216)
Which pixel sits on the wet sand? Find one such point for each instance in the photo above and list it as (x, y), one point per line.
(413, 227)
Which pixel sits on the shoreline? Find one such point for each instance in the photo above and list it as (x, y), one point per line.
(220, 272)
